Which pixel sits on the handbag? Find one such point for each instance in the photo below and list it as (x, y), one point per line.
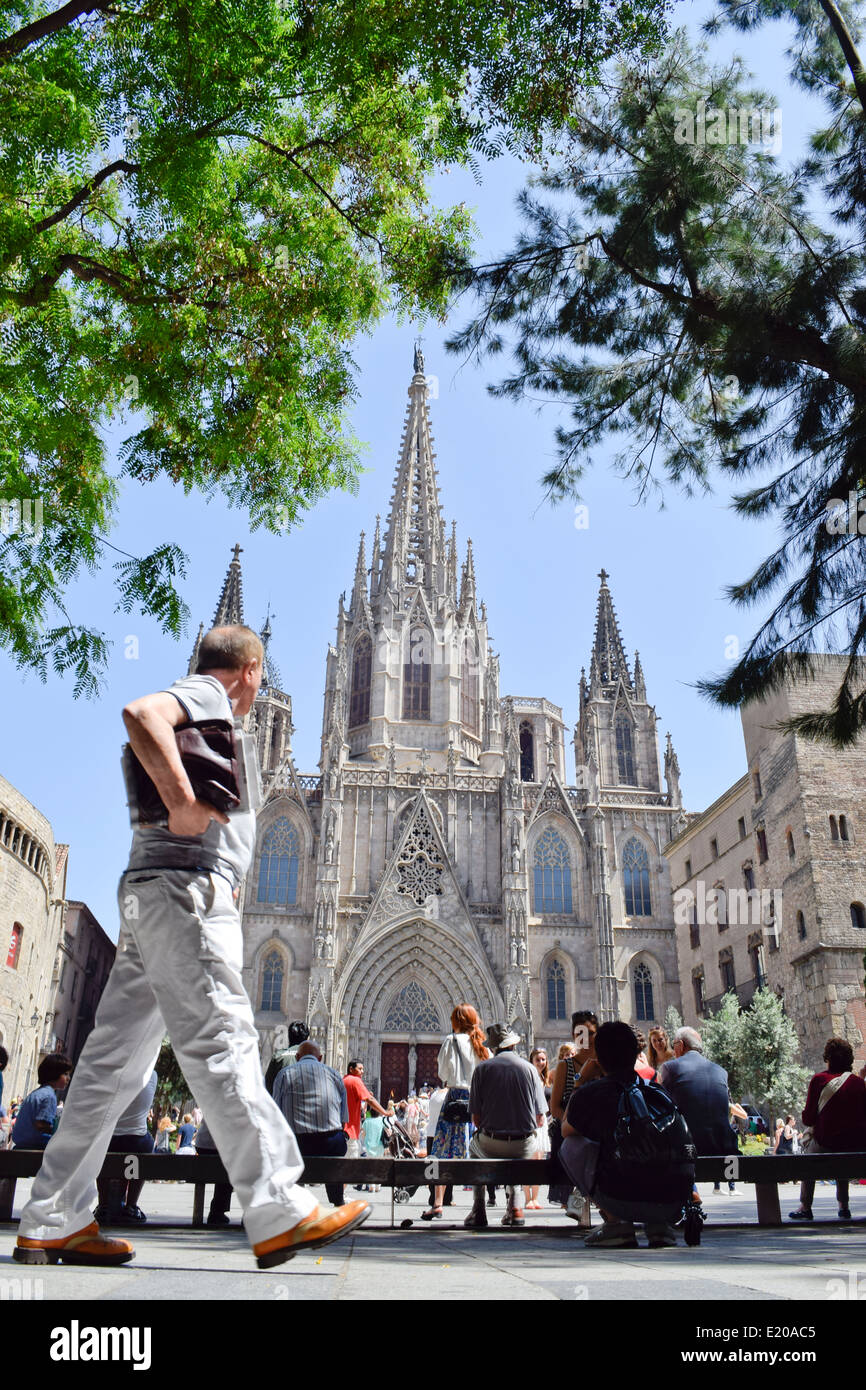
(209, 755)
(808, 1143)
(456, 1111)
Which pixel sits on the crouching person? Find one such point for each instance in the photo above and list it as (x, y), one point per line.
(627, 1147)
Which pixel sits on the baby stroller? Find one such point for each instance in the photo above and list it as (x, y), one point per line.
(398, 1144)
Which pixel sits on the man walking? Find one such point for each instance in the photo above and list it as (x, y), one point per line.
(506, 1099)
(313, 1099)
(178, 969)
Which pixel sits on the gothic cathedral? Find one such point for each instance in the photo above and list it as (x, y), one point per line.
(441, 855)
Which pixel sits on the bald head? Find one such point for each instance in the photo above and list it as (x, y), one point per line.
(309, 1049)
(228, 649)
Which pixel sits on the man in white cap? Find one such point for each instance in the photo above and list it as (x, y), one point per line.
(507, 1102)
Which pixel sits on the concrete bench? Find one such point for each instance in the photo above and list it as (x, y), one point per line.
(763, 1173)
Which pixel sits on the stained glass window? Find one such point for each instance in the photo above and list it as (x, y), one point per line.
(624, 754)
(412, 1011)
(643, 993)
(278, 865)
(362, 665)
(555, 990)
(552, 873)
(635, 873)
(416, 676)
(272, 981)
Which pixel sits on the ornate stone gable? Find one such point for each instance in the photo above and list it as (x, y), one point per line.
(552, 797)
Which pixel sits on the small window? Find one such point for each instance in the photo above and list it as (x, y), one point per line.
(74, 989)
(714, 848)
(843, 827)
(272, 982)
(834, 829)
(726, 969)
(624, 753)
(555, 990)
(688, 868)
(761, 837)
(741, 826)
(756, 784)
(858, 916)
(694, 930)
(527, 752)
(789, 839)
(698, 987)
(801, 927)
(749, 877)
(643, 993)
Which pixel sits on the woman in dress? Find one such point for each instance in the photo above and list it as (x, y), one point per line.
(538, 1058)
(459, 1055)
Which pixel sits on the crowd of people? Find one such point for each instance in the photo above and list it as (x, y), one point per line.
(492, 1103)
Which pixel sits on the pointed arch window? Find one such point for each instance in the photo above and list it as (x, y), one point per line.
(416, 676)
(362, 667)
(278, 865)
(552, 873)
(556, 990)
(527, 752)
(644, 1007)
(272, 982)
(635, 873)
(469, 687)
(625, 752)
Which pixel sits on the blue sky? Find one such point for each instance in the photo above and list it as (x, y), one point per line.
(535, 570)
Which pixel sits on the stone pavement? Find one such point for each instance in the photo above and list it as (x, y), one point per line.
(441, 1261)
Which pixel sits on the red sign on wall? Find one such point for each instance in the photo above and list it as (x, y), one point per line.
(14, 946)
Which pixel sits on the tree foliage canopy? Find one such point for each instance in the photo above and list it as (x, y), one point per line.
(202, 202)
(684, 290)
(758, 1049)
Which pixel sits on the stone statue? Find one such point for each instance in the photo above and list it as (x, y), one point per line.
(392, 757)
(329, 840)
(521, 953)
(515, 847)
(319, 943)
(452, 757)
(514, 950)
(413, 1067)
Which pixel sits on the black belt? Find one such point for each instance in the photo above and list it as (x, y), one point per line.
(496, 1134)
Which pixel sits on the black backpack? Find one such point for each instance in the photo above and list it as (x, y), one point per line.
(650, 1130)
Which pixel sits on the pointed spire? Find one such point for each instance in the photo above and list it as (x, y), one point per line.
(672, 774)
(467, 585)
(609, 663)
(359, 589)
(193, 661)
(375, 558)
(451, 583)
(639, 682)
(414, 545)
(230, 609)
(270, 673)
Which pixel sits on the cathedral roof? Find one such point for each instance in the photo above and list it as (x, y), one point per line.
(230, 608)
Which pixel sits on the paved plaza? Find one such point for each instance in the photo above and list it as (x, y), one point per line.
(821, 1263)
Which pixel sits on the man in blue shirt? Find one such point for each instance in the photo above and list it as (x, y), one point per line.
(313, 1099)
(37, 1117)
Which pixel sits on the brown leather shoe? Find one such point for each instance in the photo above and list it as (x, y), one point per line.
(319, 1228)
(84, 1247)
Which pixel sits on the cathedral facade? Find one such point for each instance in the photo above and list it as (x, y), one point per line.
(441, 853)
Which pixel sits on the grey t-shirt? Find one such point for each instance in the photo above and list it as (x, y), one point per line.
(507, 1094)
(225, 849)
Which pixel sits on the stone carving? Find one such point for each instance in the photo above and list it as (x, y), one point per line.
(412, 1011)
(420, 865)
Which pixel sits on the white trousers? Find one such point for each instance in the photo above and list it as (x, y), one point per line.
(177, 971)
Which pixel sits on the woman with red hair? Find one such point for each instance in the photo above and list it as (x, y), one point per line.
(459, 1055)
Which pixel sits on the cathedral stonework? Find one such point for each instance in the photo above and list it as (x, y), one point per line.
(440, 854)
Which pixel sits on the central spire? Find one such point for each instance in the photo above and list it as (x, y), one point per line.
(414, 542)
(609, 664)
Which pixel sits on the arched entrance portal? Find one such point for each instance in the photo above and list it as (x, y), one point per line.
(411, 1035)
(399, 994)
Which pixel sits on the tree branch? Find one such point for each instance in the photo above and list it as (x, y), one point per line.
(48, 24)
